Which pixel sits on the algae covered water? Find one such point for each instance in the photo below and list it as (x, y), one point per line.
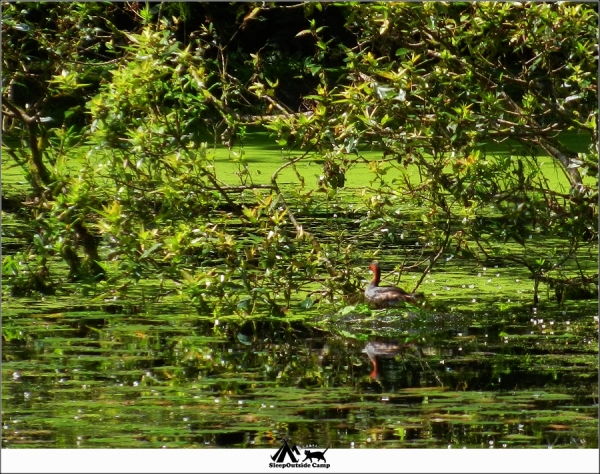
(123, 376)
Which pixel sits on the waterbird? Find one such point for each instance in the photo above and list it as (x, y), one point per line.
(385, 295)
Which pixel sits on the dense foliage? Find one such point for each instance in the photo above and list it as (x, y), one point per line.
(144, 94)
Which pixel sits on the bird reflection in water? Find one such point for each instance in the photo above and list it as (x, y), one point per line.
(386, 350)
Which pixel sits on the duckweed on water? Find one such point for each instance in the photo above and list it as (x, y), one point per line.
(93, 379)
(163, 290)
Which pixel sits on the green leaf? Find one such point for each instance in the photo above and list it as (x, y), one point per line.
(307, 303)
(346, 310)
(244, 304)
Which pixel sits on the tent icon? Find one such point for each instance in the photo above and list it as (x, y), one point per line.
(284, 451)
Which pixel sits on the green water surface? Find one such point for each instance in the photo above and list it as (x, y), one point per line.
(124, 376)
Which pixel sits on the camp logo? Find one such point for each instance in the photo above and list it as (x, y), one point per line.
(287, 456)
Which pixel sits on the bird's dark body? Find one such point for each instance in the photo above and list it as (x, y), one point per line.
(385, 295)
